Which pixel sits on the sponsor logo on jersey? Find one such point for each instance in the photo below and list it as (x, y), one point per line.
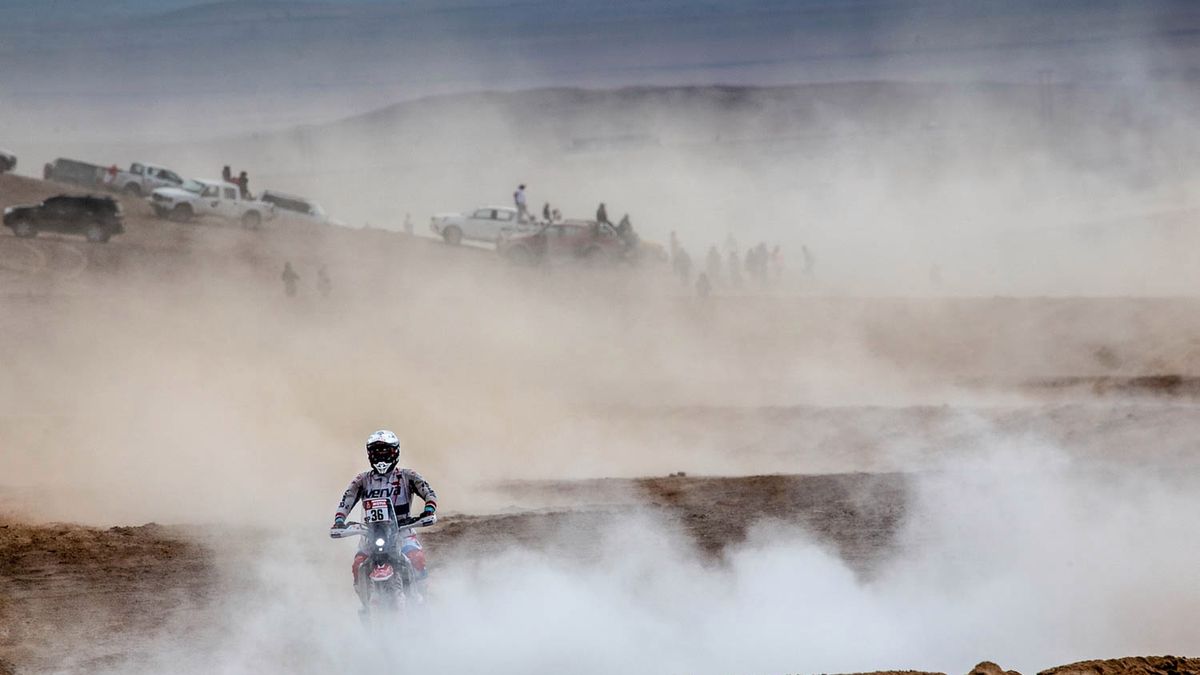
(378, 492)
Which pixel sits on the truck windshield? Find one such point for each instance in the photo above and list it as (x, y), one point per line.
(193, 186)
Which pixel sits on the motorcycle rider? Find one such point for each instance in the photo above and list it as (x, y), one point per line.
(386, 479)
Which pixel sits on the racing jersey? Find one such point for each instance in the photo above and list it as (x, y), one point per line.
(398, 485)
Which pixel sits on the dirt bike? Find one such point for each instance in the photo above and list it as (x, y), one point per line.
(390, 577)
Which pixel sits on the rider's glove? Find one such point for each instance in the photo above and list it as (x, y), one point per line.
(429, 510)
(338, 524)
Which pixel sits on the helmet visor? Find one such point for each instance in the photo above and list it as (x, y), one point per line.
(382, 452)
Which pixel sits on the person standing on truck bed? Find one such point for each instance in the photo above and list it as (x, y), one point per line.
(519, 200)
(243, 183)
(227, 174)
(602, 214)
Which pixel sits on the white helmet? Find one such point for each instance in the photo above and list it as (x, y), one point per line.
(383, 451)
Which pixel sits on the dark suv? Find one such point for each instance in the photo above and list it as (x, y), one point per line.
(96, 218)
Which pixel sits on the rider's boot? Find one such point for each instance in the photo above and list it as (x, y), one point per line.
(364, 593)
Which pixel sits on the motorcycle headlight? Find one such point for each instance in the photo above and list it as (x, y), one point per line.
(379, 542)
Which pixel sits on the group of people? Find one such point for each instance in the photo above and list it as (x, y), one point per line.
(291, 281)
(760, 263)
(624, 227)
(549, 215)
(242, 181)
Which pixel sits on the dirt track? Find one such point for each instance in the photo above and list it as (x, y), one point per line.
(133, 582)
(136, 578)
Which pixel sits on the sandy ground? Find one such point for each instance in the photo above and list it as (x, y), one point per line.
(135, 579)
(130, 583)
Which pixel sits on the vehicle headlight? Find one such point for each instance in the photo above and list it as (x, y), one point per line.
(8, 210)
(379, 542)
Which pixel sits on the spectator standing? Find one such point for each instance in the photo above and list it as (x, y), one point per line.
(809, 262)
(683, 266)
(703, 286)
(712, 266)
(519, 200)
(324, 283)
(760, 263)
(735, 270)
(243, 183)
(730, 244)
(110, 175)
(289, 279)
(602, 214)
(546, 212)
(227, 174)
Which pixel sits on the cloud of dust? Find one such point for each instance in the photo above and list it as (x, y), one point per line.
(1013, 553)
(183, 401)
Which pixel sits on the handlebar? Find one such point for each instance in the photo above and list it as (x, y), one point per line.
(353, 529)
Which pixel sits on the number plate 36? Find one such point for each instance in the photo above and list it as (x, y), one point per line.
(377, 510)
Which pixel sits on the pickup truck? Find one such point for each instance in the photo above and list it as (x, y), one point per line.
(485, 224)
(209, 199)
(299, 209)
(585, 240)
(142, 179)
(65, 170)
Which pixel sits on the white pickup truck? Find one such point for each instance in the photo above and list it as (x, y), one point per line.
(297, 209)
(142, 179)
(209, 199)
(485, 224)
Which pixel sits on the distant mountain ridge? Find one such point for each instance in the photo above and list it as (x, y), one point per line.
(262, 64)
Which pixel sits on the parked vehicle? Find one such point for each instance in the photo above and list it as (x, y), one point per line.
(142, 179)
(585, 240)
(209, 199)
(296, 208)
(483, 224)
(8, 161)
(96, 217)
(72, 171)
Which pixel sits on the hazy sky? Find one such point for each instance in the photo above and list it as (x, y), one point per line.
(86, 70)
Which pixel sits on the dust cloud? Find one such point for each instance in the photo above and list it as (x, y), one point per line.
(1012, 551)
